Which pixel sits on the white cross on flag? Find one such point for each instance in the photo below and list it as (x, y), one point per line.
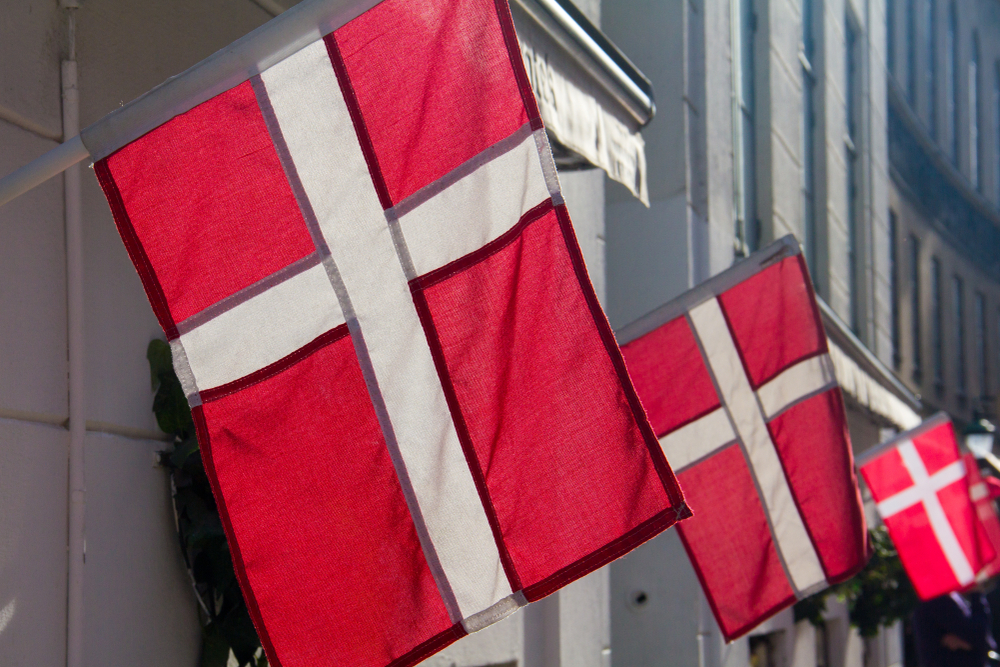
(412, 410)
(982, 494)
(921, 487)
(739, 388)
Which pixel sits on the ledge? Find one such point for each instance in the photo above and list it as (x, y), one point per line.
(593, 51)
(865, 378)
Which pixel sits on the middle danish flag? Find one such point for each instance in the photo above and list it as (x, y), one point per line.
(739, 387)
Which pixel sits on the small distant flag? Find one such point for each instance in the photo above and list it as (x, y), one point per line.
(922, 489)
(982, 491)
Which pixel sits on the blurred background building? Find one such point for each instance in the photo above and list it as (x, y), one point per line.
(870, 129)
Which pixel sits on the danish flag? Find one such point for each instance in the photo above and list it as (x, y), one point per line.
(982, 493)
(922, 489)
(382, 321)
(737, 382)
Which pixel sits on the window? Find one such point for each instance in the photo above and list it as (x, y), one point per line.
(937, 322)
(890, 36)
(911, 50)
(930, 82)
(915, 308)
(765, 650)
(996, 126)
(822, 646)
(744, 153)
(958, 296)
(974, 134)
(851, 141)
(997, 353)
(809, 136)
(981, 360)
(897, 358)
(951, 81)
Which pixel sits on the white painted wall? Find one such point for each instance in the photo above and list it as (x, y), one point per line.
(33, 483)
(138, 607)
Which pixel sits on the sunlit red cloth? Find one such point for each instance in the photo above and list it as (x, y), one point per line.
(981, 491)
(921, 487)
(738, 385)
(413, 412)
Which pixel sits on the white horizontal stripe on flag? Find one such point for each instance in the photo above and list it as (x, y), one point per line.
(321, 141)
(793, 384)
(919, 491)
(696, 440)
(978, 491)
(790, 535)
(262, 329)
(475, 210)
(924, 490)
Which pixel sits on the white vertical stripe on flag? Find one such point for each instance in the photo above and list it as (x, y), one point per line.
(263, 329)
(321, 140)
(696, 440)
(790, 535)
(476, 209)
(924, 490)
(794, 384)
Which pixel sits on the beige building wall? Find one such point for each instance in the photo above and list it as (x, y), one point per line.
(659, 616)
(944, 194)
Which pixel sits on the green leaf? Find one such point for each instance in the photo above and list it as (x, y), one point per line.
(811, 608)
(214, 647)
(239, 632)
(160, 361)
(182, 450)
(171, 408)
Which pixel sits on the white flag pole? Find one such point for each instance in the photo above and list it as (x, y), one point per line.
(992, 460)
(266, 46)
(53, 163)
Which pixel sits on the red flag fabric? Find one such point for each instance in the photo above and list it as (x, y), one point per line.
(382, 321)
(738, 385)
(981, 494)
(921, 487)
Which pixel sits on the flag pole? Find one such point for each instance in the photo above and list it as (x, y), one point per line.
(246, 57)
(36, 172)
(992, 460)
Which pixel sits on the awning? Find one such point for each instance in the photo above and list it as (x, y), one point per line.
(866, 379)
(592, 98)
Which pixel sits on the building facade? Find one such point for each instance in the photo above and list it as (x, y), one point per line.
(772, 119)
(869, 129)
(944, 128)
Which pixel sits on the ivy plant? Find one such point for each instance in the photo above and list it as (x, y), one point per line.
(876, 597)
(226, 624)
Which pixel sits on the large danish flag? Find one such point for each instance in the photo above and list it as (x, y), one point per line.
(738, 385)
(921, 487)
(382, 321)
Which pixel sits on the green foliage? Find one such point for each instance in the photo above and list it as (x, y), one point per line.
(878, 596)
(226, 621)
